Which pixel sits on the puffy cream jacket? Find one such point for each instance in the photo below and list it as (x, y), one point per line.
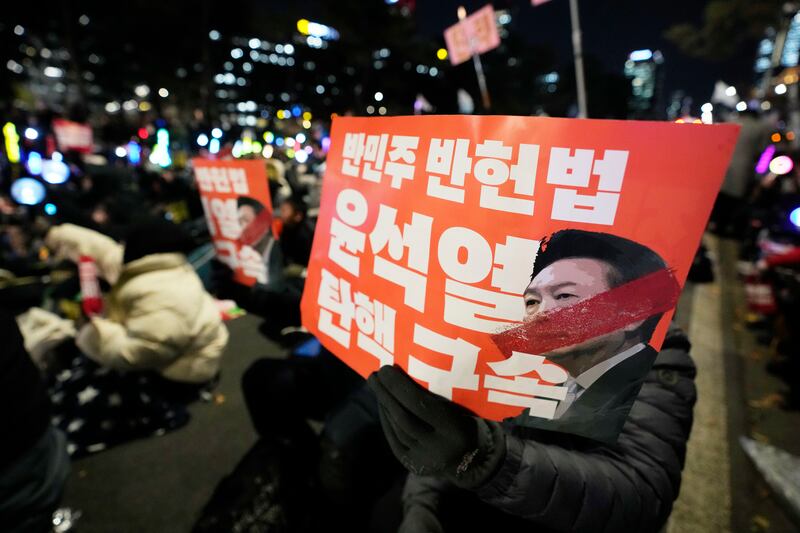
(159, 316)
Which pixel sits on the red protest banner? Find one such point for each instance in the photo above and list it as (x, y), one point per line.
(73, 135)
(237, 206)
(476, 34)
(511, 264)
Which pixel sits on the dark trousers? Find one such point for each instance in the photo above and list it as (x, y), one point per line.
(281, 394)
(351, 461)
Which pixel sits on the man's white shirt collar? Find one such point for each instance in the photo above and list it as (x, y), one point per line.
(588, 378)
(577, 386)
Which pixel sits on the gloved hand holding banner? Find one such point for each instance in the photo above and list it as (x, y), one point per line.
(520, 267)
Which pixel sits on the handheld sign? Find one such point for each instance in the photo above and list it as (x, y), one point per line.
(476, 34)
(521, 267)
(238, 210)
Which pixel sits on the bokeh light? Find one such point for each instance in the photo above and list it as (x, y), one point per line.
(781, 165)
(28, 191)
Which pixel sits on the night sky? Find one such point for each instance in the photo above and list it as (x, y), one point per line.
(611, 30)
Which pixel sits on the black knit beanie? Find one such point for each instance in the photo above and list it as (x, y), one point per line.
(156, 237)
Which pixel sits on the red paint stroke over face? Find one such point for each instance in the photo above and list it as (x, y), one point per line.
(599, 315)
(257, 229)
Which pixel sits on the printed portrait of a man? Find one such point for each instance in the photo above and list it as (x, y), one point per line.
(607, 370)
(262, 257)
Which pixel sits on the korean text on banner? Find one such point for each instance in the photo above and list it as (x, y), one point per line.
(522, 267)
(476, 34)
(73, 136)
(238, 210)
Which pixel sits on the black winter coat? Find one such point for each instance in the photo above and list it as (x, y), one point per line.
(557, 482)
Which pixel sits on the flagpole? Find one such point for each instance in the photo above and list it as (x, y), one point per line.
(487, 103)
(476, 61)
(577, 49)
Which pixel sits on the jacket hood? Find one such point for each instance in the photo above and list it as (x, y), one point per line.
(155, 237)
(150, 263)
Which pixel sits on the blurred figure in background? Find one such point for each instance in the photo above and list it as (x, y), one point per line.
(297, 234)
(33, 456)
(279, 187)
(727, 218)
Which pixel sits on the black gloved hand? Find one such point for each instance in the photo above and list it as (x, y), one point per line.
(431, 435)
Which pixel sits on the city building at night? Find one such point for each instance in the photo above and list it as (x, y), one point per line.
(645, 70)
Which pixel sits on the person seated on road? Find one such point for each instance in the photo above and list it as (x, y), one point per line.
(161, 339)
(33, 456)
(159, 316)
(297, 234)
(468, 473)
